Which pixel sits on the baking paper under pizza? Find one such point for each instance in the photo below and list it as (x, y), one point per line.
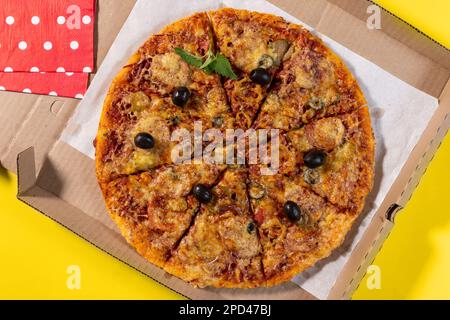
(234, 225)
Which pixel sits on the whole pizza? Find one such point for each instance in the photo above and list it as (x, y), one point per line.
(246, 223)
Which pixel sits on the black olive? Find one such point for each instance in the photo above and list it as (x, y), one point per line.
(292, 211)
(251, 227)
(315, 158)
(261, 76)
(175, 120)
(181, 96)
(202, 193)
(144, 141)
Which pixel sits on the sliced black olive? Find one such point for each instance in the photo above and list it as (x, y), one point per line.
(144, 141)
(218, 122)
(202, 193)
(251, 227)
(315, 158)
(261, 76)
(256, 191)
(312, 177)
(316, 104)
(181, 96)
(292, 211)
(175, 120)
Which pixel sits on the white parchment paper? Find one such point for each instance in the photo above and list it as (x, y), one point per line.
(400, 112)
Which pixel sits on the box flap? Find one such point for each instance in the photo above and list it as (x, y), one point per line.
(31, 120)
(27, 177)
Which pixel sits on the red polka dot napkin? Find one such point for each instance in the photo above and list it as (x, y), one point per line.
(46, 46)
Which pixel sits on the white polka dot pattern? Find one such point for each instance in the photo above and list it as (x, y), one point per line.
(35, 20)
(48, 45)
(74, 45)
(10, 20)
(23, 45)
(61, 20)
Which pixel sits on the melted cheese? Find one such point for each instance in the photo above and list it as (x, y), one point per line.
(170, 69)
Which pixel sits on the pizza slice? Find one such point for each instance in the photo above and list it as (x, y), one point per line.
(337, 157)
(313, 83)
(154, 209)
(222, 248)
(140, 140)
(296, 227)
(256, 44)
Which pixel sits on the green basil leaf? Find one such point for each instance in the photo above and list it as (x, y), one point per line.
(210, 59)
(189, 58)
(223, 67)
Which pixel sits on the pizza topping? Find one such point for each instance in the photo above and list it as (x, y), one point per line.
(251, 227)
(261, 76)
(189, 58)
(139, 101)
(181, 96)
(266, 61)
(256, 191)
(326, 134)
(259, 215)
(144, 141)
(312, 177)
(209, 63)
(279, 49)
(315, 158)
(316, 103)
(202, 193)
(175, 120)
(169, 69)
(289, 53)
(218, 122)
(293, 211)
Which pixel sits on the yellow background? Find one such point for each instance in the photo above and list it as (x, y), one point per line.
(415, 260)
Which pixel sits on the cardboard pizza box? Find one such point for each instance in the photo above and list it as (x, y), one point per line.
(59, 181)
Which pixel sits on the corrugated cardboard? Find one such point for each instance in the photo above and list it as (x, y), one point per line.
(58, 181)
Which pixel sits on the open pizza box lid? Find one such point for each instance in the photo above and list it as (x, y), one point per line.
(59, 181)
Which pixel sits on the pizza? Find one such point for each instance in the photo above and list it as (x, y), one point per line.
(179, 160)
